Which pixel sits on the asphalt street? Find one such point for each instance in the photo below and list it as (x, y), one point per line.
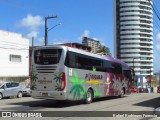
(79, 110)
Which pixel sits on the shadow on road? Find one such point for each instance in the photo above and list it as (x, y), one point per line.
(58, 104)
(153, 103)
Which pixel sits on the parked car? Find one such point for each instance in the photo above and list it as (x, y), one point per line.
(158, 90)
(26, 91)
(135, 90)
(8, 89)
(143, 90)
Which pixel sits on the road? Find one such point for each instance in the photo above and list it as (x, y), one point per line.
(133, 102)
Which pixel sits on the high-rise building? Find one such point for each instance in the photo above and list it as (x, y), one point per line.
(134, 34)
(94, 44)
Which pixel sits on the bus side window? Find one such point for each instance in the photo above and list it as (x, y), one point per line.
(117, 68)
(70, 60)
(108, 66)
(127, 74)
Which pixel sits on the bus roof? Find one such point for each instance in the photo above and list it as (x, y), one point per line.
(81, 51)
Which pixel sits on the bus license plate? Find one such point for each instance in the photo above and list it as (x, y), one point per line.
(44, 94)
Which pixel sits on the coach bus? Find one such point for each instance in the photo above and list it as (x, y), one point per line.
(66, 73)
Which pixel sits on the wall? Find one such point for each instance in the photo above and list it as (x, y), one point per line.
(13, 44)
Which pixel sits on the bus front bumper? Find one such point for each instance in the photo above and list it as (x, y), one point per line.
(56, 95)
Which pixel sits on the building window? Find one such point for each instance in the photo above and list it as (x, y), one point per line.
(15, 58)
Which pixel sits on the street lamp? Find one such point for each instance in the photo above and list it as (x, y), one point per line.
(54, 26)
(46, 28)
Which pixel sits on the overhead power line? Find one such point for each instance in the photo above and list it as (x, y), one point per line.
(14, 48)
(156, 13)
(157, 25)
(154, 10)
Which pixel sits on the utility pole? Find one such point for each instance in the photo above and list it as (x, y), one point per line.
(159, 78)
(46, 28)
(32, 42)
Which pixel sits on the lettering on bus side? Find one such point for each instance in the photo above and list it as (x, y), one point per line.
(90, 76)
(93, 79)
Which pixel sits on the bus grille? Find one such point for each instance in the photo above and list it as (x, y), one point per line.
(46, 69)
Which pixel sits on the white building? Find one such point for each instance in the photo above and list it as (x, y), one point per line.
(14, 56)
(94, 44)
(134, 34)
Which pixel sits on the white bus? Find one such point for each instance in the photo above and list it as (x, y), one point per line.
(65, 73)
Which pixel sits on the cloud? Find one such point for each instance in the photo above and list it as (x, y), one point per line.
(32, 34)
(60, 41)
(31, 22)
(158, 46)
(32, 25)
(41, 40)
(86, 33)
(158, 36)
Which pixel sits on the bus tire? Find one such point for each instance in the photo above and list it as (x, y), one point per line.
(122, 93)
(89, 96)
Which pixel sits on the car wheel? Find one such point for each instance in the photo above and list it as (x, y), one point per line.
(19, 94)
(89, 96)
(1, 96)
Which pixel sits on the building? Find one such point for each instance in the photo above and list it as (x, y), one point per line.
(157, 78)
(78, 46)
(94, 44)
(133, 26)
(14, 56)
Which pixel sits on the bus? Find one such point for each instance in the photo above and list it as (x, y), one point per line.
(66, 73)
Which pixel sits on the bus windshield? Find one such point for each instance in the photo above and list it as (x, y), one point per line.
(47, 56)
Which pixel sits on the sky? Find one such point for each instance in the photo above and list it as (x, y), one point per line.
(92, 18)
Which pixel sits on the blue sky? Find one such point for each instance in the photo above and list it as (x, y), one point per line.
(93, 18)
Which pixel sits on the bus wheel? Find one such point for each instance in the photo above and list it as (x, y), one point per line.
(89, 96)
(121, 93)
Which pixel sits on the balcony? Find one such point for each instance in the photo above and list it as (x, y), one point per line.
(130, 41)
(129, 46)
(130, 50)
(129, 36)
(130, 55)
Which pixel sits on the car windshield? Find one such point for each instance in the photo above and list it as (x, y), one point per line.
(1, 84)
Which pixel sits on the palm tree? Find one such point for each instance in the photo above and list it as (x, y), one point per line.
(58, 78)
(77, 89)
(103, 50)
(33, 87)
(34, 79)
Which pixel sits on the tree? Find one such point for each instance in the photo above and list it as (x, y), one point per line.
(104, 50)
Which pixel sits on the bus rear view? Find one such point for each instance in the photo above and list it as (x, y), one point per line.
(48, 78)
